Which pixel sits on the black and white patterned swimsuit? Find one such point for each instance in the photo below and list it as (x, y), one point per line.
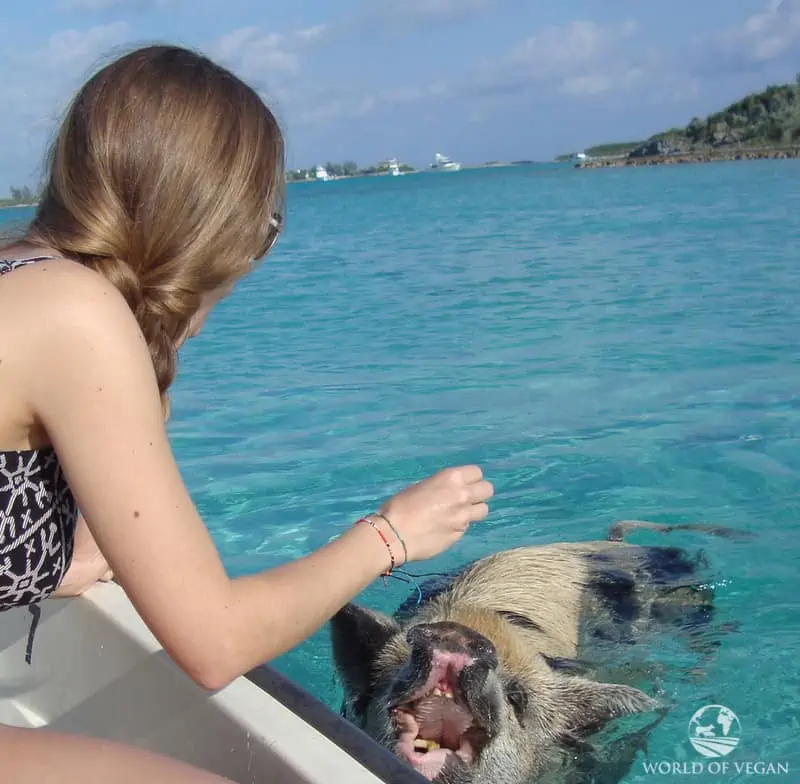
(37, 517)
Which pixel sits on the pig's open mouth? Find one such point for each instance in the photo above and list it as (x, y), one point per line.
(435, 725)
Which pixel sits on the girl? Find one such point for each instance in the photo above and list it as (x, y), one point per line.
(165, 185)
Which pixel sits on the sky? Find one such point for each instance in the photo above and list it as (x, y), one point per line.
(366, 80)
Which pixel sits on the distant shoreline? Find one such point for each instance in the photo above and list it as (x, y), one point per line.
(381, 174)
(18, 206)
(464, 167)
(700, 156)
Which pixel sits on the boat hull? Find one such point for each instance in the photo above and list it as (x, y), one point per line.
(96, 669)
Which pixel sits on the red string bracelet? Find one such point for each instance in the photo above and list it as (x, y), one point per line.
(385, 541)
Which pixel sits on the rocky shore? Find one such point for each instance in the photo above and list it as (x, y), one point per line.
(698, 156)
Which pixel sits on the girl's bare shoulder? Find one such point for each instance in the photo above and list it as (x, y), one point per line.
(54, 294)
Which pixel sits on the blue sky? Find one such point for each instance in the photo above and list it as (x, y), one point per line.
(368, 79)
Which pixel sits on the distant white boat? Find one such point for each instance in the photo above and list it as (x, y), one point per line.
(443, 163)
(321, 173)
(394, 168)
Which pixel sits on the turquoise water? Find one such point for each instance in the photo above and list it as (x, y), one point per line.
(605, 344)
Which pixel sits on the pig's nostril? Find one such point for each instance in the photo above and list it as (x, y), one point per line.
(485, 651)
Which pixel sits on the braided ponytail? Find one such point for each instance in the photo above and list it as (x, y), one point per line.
(161, 327)
(164, 178)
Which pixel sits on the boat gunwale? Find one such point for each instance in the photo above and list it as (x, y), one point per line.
(377, 759)
(107, 605)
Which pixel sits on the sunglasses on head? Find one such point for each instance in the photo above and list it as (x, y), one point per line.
(273, 232)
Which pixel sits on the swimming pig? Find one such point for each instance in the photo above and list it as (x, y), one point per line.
(484, 681)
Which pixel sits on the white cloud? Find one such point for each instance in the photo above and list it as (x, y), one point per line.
(580, 59)
(255, 54)
(96, 6)
(70, 51)
(325, 104)
(587, 84)
(386, 17)
(45, 80)
(312, 34)
(272, 62)
(252, 52)
(440, 10)
(768, 35)
(49, 74)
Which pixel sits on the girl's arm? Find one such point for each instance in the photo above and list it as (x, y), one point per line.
(91, 384)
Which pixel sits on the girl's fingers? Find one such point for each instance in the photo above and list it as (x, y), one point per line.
(477, 512)
(481, 491)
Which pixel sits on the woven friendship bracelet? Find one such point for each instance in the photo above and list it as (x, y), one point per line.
(396, 533)
(385, 541)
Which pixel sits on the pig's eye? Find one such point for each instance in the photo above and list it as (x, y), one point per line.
(517, 697)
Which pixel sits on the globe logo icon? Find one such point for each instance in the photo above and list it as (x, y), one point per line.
(714, 731)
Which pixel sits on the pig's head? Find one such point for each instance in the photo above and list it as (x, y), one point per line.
(464, 706)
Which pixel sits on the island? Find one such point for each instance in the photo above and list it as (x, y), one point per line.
(20, 197)
(390, 167)
(760, 125)
(337, 171)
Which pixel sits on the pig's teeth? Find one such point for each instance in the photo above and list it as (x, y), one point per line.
(405, 723)
(437, 692)
(466, 752)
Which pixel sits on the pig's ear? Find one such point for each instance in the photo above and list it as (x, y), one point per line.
(357, 636)
(587, 706)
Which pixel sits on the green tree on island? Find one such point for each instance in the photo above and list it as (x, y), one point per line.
(764, 120)
(19, 197)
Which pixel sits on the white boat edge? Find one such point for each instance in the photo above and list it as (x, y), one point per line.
(96, 669)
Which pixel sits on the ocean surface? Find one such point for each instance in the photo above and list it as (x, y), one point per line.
(606, 344)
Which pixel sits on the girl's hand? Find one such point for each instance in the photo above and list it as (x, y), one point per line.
(433, 514)
(88, 566)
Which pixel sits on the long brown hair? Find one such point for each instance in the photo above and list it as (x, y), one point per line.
(164, 177)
